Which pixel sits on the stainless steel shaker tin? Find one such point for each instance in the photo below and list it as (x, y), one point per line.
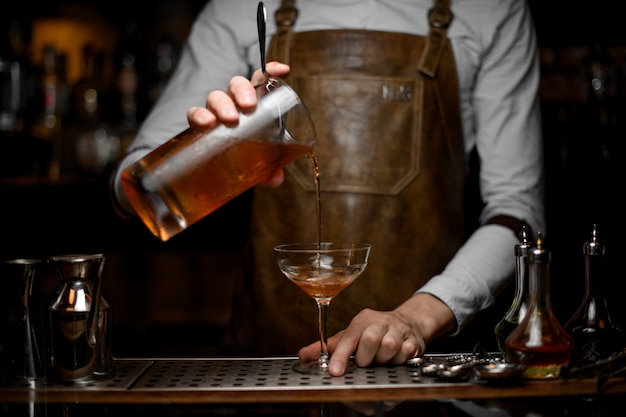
(80, 320)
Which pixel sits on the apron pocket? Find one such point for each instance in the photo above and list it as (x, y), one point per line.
(369, 132)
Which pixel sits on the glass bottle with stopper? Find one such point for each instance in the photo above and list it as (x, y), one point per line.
(595, 335)
(519, 306)
(540, 342)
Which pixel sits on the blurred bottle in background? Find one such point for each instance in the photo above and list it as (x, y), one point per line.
(51, 106)
(129, 102)
(17, 89)
(91, 147)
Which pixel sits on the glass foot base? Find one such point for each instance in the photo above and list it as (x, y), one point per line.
(316, 368)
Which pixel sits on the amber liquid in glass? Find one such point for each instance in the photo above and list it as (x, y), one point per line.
(168, 204)
(544, 361)
(325, 284)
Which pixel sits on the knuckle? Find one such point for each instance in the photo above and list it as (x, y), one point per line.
(390, 343)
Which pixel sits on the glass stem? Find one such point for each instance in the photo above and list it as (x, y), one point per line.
(322, 309)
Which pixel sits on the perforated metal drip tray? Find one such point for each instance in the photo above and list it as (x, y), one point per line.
(252, 374)
(276, 373)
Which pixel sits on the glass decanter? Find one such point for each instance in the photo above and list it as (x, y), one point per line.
(519, 306)
(540, 342)
(595, 335)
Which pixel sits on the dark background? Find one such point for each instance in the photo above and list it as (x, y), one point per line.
(585, 167)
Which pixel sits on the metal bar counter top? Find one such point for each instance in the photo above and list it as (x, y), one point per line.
(271, 380)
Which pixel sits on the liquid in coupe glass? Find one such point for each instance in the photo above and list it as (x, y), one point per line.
(322, 270)
(198, 171)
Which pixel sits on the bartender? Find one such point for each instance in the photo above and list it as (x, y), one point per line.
(402, 94)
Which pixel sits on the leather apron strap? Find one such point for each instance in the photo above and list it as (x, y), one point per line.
(392, 170)
(286, 17)
(439, 18)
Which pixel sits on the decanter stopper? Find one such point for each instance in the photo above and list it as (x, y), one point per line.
(519, 306)
(540, 342)
(595, 335)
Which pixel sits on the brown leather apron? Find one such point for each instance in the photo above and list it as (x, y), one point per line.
(392, 169)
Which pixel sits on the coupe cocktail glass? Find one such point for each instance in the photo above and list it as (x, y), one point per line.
(322, 270)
